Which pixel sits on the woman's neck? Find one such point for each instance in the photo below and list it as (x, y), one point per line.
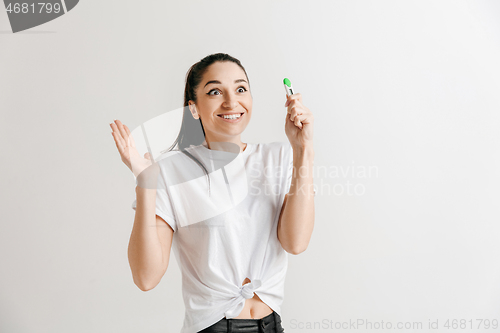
(225, 146)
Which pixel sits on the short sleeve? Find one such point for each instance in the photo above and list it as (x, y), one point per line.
(163, 204)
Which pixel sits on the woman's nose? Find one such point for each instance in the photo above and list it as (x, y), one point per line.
(230, 102)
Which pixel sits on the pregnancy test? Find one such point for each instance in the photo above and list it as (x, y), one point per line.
(288, 86)
(289, 89)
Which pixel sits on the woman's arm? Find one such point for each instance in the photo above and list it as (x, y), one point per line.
(150, 242)
(151, 239)
(296, 221)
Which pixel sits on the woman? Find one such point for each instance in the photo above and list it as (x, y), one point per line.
(232, 254)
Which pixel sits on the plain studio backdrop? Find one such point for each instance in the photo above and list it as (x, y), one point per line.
(405, 96)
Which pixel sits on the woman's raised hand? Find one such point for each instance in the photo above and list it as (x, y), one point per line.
(299, 122)
(126, 147)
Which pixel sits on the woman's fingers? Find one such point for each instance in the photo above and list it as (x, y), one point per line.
(296, 116)
(126, 146)
(292, 98)
(123, 132)
(123, 139)
(118, 137)
(295, 104)
(294, 111)
(298, 113)
(117, 142)
(132, 142)
(298, 120)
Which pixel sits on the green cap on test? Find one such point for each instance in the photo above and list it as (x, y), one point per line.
(287, 82)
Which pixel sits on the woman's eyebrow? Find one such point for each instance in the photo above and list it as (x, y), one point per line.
(218, 82)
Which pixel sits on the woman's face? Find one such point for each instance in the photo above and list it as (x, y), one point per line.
(223, 90)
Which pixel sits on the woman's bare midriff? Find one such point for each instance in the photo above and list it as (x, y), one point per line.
(254, 307)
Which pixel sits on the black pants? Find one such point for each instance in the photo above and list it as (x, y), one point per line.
(268, 324)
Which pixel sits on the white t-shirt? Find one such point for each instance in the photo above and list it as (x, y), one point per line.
(221, 239)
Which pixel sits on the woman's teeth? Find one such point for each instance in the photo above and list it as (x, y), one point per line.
(233, 116)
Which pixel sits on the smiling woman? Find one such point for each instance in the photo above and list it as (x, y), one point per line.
(231, 245)
(224, 103)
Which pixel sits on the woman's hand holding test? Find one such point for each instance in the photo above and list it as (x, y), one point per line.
(299, 122)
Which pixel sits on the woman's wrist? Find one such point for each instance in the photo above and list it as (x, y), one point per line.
(148, 178)
(304, 151)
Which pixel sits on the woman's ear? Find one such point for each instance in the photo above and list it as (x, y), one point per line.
(192, 108)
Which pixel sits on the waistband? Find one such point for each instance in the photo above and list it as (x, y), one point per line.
(270, 323)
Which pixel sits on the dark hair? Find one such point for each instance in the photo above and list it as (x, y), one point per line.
(192, 131)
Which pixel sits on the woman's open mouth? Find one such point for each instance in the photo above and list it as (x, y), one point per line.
(233, 118)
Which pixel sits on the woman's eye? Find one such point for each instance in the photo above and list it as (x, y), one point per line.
(240, 89)
(210, 92)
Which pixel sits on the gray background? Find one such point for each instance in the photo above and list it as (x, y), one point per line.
(409, 87)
